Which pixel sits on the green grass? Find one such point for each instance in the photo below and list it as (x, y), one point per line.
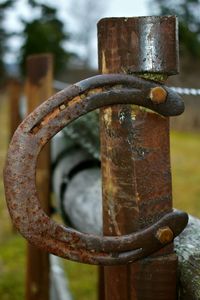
(185, 150)
(83, 280)
(185, 161)
(12, 268)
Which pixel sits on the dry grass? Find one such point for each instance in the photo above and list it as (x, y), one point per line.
(185, 160)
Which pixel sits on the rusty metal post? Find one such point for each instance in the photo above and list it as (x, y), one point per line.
(135, 159)
(39, 88)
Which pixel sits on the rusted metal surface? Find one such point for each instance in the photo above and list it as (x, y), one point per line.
(135, 152)
(31, 136)
(145, 44)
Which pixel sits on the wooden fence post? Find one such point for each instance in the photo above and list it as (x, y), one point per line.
(135, 154)
(38, 89)
(14, 91)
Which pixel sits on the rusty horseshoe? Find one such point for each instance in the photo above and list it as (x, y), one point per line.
(39, 127)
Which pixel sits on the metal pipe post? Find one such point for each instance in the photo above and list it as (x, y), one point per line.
(135, 158)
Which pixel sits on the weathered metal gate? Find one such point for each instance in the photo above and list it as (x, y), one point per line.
(137, 198)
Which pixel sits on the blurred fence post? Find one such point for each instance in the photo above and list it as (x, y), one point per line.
(14, 90)
(135, 154)
(38, 89)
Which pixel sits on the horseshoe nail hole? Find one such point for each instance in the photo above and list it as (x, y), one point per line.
(62, 106)
(82, 96)
(45, 121)
(94, 91)
(35, 129)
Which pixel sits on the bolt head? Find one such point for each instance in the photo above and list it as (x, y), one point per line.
(158, 95)
(165, 235)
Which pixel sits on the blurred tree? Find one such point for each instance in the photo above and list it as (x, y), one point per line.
(4, 35)
(189, 22)
(86, 14)
(45, 34)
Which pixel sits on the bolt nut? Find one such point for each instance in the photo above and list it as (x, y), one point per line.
(158, 95)
(164, 235)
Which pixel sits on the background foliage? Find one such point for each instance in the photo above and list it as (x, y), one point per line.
(4, 35)
(189, 22)
(45, 34)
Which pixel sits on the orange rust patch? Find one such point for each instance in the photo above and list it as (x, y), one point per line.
(75, 99)
(35, 129)
(94, 91)
(50, 116)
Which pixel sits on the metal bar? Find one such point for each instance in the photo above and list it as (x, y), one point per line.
(135, 153)
(38, 89)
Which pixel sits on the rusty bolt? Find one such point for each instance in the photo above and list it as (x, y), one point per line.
(165, 235)
(158, 95)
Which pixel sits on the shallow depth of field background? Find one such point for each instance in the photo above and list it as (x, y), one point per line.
(185, 159)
